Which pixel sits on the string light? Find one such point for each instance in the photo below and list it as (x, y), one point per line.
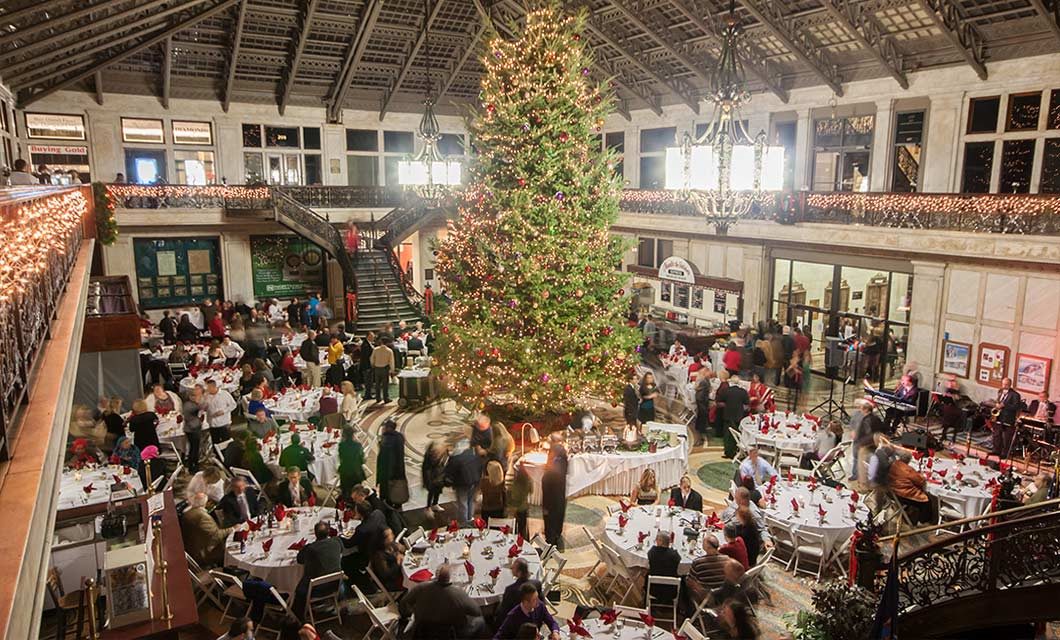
(37, 234)
(218, 192)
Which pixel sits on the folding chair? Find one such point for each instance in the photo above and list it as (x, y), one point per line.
(315, 597)
(173, 477)
(500, 523)
(741, 443)
(752, 581)
(204, 582)
(789, 457)
(624, 575)
(239, 472)
(219, 452)
(599, 556)
(766, 448)
(783, 540)
(280, 612)
(412, 537)
(689, 631)
(664, 581)
(809, 545)
(391, 601)
(232, 590)
(703, 610)
(383, 619)
(630, 612)
(550, 577)
(831, 462)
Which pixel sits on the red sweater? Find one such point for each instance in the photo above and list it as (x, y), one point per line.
(736, 550)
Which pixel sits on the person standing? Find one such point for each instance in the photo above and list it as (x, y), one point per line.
(351, 461)
(364, 354)
(493, 491)
(732, 402)
(390, 466)
(294, 313)
(554, 491)
(464, 472)
(702, 395)
(168, 327)
(143, 424)
(433, 472)
(519, 499)
(631, 400)
(193, 411)
(310, 353)
(219, 408)
(648, 392)
(382, 360)
(1008, 405)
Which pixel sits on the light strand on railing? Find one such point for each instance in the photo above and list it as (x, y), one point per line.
(37, 232)
(235, 192)
(986, 204)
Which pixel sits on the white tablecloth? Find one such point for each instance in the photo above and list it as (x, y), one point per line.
(279, 566)
(227, 379)
(611, 474)
(72, 486)
(325, 464)
(968, 495)
(297, 405)
(837, 525)
(789, 430)
(624, 629)
(481, 587)
(652, 519)
(193, 349)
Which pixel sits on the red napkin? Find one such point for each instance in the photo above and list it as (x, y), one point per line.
(312, 501)
(293, 428)
(494, 572)
(942, 473)
(854, 496)
(453, 527)
(853, 508)
(117, 478)
(677, 635)
(470, 538)
(765, 429)
(126, 470)
(576, 629)
(670, 503)
(114, 459)
(480, 524)
(960, 457)
(772, 481)
(813, 483)
(918, 455)
(88, 488)
(280, 512)
(791, 476)
(347, 515)
(958, 476)
(506, 530)
(514, 551)
(622, 521)
(332, 532)
(267, 545)
(423, 575)
(340, 504)
(795, 505)
(519, 540)
(647, 619)
(930, 463)
(328, 445)
(609, 616)
(240, 536)
(820, 510)
(298, 546)
(641, 536)
(931, 453)
(470, 568)
(624, 506)
(253, 526)
(433, 535)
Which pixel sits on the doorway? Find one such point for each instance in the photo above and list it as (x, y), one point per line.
(284, 168)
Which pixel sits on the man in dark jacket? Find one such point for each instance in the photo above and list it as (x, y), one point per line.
(296, 490)
(512, 594)
(442, 609)
(631, 400)
(365, 363)
(239, 504)
(685, 496)
(732, 403)
(464, 471)
(663, 561)
(320, 557)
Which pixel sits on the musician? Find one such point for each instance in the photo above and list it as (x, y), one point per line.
(1008, 408)
(906, 392)
(1042, 409)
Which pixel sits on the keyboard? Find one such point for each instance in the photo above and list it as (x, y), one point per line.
(889, 401)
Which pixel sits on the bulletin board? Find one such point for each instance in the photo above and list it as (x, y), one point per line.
(177, 272)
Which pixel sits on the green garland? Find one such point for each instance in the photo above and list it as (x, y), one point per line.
(106, 224)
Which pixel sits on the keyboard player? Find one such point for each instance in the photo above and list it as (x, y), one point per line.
(906, 393)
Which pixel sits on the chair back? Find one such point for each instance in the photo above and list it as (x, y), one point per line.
(239, 472)
(689, 631)
(807, 538)
(629, 612)
(280, 602)
(320, 581)
(226, 578)
(781, 531)
(413, 537)
(500, 523)
(380, 586)
(663, 581)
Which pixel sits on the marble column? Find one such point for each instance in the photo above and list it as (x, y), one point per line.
(941, 144)
(803, 155)
(882, 142)
(925, 319)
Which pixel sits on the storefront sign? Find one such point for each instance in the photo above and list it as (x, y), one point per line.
(185, 132)
(677, 270)
(56, 126)
(142, 130)
(719, 302)
(285, 266)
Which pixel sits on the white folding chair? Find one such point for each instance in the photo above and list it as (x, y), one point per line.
(204, 582)
(219, 452)
(788, 457)
(279, 610)
(751, 582)
(690, 632)
(412, 537)
(317, 596)
(249, 477)
(173, 477)
(767, 449)
(800, 474)
(630, 612)
(653, 602)
(500, 523)
(232, 591)
(384, 619)
(703, 611)
(783, 539)
(624, 575)
(810, 545)
(599, 557)
(388, 595)
(549, 579)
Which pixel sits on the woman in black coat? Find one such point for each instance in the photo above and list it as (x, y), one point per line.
(390, 466)
(186, 331)
(554, 491)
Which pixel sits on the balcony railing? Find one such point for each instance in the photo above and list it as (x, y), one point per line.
(977, 213)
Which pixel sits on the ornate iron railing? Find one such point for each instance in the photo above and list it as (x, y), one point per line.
(314, 227)
(1022, 551)
(414, 297)
(339, 197)
(176, 196)
(40, 235)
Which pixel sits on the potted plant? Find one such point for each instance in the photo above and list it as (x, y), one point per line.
(840, 612)
(866, 542)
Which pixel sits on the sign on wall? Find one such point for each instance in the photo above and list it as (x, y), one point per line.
(55, 126)
(177, 272)
(285, 266)
(189, 132)
(677, 270)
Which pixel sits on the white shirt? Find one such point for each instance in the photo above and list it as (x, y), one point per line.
(232, 350)
(151, 401)
(761, 473)
(244, 507)
(296, 492)
(219, 407)
(18, 178)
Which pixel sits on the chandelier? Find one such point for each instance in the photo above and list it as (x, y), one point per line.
(724, 172)
(428, 174)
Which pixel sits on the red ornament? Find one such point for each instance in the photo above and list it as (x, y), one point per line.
(445, 329)
(566, 388)
(587, 346)
(577, 36)
(480, 352)
(621, 292)
(522, 182)
(563, 136)
(490, 108)
(607, 331)
(588, 268)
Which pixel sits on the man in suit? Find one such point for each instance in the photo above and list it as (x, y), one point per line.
(512, 595)
(295, 491)
(310, 353)
(663, 561)
(320, 557)
(442, 609)
(631, 400)
(685, 496)
(203, 539)
(239, 504)
(1008, 405)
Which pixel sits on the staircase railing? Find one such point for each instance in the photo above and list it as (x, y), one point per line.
(316, 228)
(414, 297)
(947, 580)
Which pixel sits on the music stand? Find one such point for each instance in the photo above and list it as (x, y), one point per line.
(829, 402)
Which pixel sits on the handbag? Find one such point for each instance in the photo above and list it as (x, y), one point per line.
(397, 491)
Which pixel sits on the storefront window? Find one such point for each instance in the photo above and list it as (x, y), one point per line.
(194, 167)
(253, 168)
(842, 149)
(142, 130)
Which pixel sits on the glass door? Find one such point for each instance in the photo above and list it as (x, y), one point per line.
(285, 168)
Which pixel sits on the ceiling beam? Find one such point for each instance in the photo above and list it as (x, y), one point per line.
(752, 60)
(48, 23)
(469, 50)
(960, 31)
(407, 66)
(167, 70)
(34, 9)
(685, 97)
(205, 14)
(233, 57)
(1051, 15)
(71, 51)
(867, 31)
(97, 84)
(358, 43)
(296, 53)
(667, 46)
(771, 15)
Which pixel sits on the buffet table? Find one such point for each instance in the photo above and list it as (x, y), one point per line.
(612, 474)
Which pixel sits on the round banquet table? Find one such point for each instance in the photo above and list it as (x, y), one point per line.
(652, 519)
(294, 341)
(322, 444)
(787, 430)
(624, 629)
(227, 379)
(322, 356)
(170, 429)
(614, 474)
(454, 548)
(837, 525)
(297, 405)
(72, 483)
(193, 349)
(279, 566)
(969, 495)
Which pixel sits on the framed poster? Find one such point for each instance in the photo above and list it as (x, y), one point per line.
(170, 272)
(992, 364)
(1032, 373)
(956, 357)
(55, 126)
(285, 266)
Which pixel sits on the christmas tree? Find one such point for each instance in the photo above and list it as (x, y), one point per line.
(537, 321)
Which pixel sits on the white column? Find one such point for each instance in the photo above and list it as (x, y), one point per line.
(335, 154)
(756, 286)
(882, 138)
(941, 146)
(803, 149)
(925, 319)
(229, 145)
